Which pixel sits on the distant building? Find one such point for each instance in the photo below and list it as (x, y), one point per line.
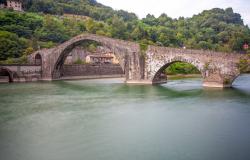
(101, 55)
(2, 6)
(100, 59)
(245, 46)
(16, 5)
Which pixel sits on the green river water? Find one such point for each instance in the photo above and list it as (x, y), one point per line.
(109, 120)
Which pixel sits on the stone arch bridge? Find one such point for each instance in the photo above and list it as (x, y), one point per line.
(217, 69)
(20, 73)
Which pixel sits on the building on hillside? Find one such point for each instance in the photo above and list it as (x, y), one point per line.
(114, 59)
(16, 5)
(2, 6)
(101, 55)
(99, 59)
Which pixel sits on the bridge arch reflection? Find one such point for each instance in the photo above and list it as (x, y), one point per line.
(4, 72)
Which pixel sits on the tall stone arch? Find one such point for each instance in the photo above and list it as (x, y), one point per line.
(126, 52)
(156, 74)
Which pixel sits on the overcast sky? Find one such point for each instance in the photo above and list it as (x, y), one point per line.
(177, 8)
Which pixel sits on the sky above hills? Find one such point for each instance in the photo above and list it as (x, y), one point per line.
(177, 8)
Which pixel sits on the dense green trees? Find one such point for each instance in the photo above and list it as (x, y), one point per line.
(89, 8)
(11, 46)
(23, 25)
(216, 29)
(52, 30)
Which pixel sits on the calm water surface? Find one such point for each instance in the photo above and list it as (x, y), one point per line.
(109, 120)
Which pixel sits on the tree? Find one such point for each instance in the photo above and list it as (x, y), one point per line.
(46, 6)
(52, 30)
(11, 46)
(205, 45)
(150, 20)
(119, 28)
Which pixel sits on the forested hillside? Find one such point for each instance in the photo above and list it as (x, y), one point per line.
(89, 8)
(43, 25)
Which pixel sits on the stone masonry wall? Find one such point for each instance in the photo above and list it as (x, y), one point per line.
(91, 70)
(23, 73)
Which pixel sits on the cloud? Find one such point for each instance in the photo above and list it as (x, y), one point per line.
(177, 8)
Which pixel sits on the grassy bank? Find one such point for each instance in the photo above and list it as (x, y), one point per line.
(182, 76)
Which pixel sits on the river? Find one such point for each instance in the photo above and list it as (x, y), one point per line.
(109, 120)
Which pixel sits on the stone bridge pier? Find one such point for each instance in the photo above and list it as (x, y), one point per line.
(217, 69)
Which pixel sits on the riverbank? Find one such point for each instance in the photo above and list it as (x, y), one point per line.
(181, 76)
(103, 119)
(4, 79)
(170, 77)
(91, 77)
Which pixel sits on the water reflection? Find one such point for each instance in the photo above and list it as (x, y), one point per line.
(110, 120)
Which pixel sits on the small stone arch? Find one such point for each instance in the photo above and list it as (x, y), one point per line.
(234, 78)
(38, 59)
(158, 78)
(6, 72)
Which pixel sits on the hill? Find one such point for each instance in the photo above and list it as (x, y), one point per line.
(89, 8)
(43, 25)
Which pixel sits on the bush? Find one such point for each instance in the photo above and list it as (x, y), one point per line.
(79, 61)
(181, 68)
(11, 46)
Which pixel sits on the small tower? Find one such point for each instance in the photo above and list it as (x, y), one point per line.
(15, 5)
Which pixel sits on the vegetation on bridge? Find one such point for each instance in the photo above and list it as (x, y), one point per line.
(244, 65)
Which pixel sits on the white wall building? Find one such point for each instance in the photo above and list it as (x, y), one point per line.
(13, 4)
